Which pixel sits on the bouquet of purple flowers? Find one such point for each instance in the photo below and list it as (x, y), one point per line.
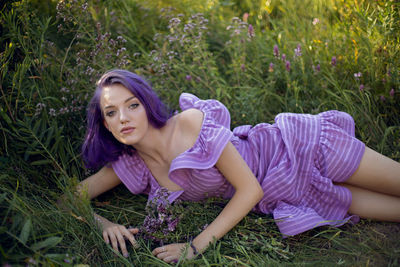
(162, 218)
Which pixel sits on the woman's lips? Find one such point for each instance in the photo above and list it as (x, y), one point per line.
(127, 130)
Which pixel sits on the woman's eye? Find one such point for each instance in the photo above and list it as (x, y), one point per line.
(110, 113)
(133, 106)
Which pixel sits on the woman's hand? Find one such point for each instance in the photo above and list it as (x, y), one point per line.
(173, 252)
(116, 234)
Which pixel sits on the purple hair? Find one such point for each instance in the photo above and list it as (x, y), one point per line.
(100, 146)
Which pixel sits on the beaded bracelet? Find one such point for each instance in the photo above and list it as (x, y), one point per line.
(195, 252)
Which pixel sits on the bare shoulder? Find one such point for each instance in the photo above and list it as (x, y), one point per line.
(190, 121)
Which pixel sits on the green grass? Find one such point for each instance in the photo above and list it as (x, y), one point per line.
(48, 72)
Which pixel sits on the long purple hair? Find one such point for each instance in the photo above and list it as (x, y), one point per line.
(100, 146)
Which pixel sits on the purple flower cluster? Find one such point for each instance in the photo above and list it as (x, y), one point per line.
(68, 10)
(240, 30)
(237, 26)
(284, 59)
(333, 61)
(39, 108)
(192, 31)
(287, 65)
(271, 67)
(391, 93)
(162, 218)
(297, 51)
(276, 51)
(95, 51)
(316, 68)
(186, 37)
(250, 31)
(357, 75)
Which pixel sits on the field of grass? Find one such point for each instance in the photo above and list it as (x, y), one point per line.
(259, 58)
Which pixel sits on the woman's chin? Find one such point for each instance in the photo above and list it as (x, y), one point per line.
(127, 141)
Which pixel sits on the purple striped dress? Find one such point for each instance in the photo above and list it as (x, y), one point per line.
(296, 160)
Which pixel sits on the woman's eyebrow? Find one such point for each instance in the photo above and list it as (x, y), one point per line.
(127, 100)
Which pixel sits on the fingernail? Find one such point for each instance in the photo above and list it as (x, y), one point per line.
(126, 255)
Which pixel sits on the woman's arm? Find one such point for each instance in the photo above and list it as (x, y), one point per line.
(96, 184)
(248, 194)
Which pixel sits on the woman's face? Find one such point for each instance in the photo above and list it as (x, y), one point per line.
(124, 115)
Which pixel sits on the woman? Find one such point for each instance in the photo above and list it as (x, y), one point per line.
(307, 170)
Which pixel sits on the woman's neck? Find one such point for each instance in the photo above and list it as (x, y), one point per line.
(156, 146)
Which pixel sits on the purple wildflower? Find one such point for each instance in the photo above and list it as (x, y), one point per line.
(84, 6)
(357, 75)
(391, 93)
(188, 77)
(333, 61)
(361, 87)
(52, 112)
(160, 220)
(243, 67)
(31, 261)
(271, 67)
(316, 68)
(283, 57)
(251, 31)
(174, 22)
(287, 65)
(39, 108)
(276, 51)
(120, 51)
(382, 98)
(297, 51)
(172, 225)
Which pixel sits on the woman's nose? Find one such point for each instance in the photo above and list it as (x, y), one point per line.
(123, 116)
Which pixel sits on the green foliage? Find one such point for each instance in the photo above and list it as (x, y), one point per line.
(338, 55)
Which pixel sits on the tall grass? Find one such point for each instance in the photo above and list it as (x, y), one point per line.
(329, 55)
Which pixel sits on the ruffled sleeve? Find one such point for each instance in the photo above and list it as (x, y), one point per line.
(214, 134)
(132, 172)
(215, 109)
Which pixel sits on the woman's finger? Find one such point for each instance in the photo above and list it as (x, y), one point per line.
(121, 242)
(133, 230)
(105, 236)
(169, 259)
(114, 241)
(128, 234)
(158, 250)
(162, 255)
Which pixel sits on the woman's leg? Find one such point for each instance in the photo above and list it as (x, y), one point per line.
(373, 205)
(378, 173)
